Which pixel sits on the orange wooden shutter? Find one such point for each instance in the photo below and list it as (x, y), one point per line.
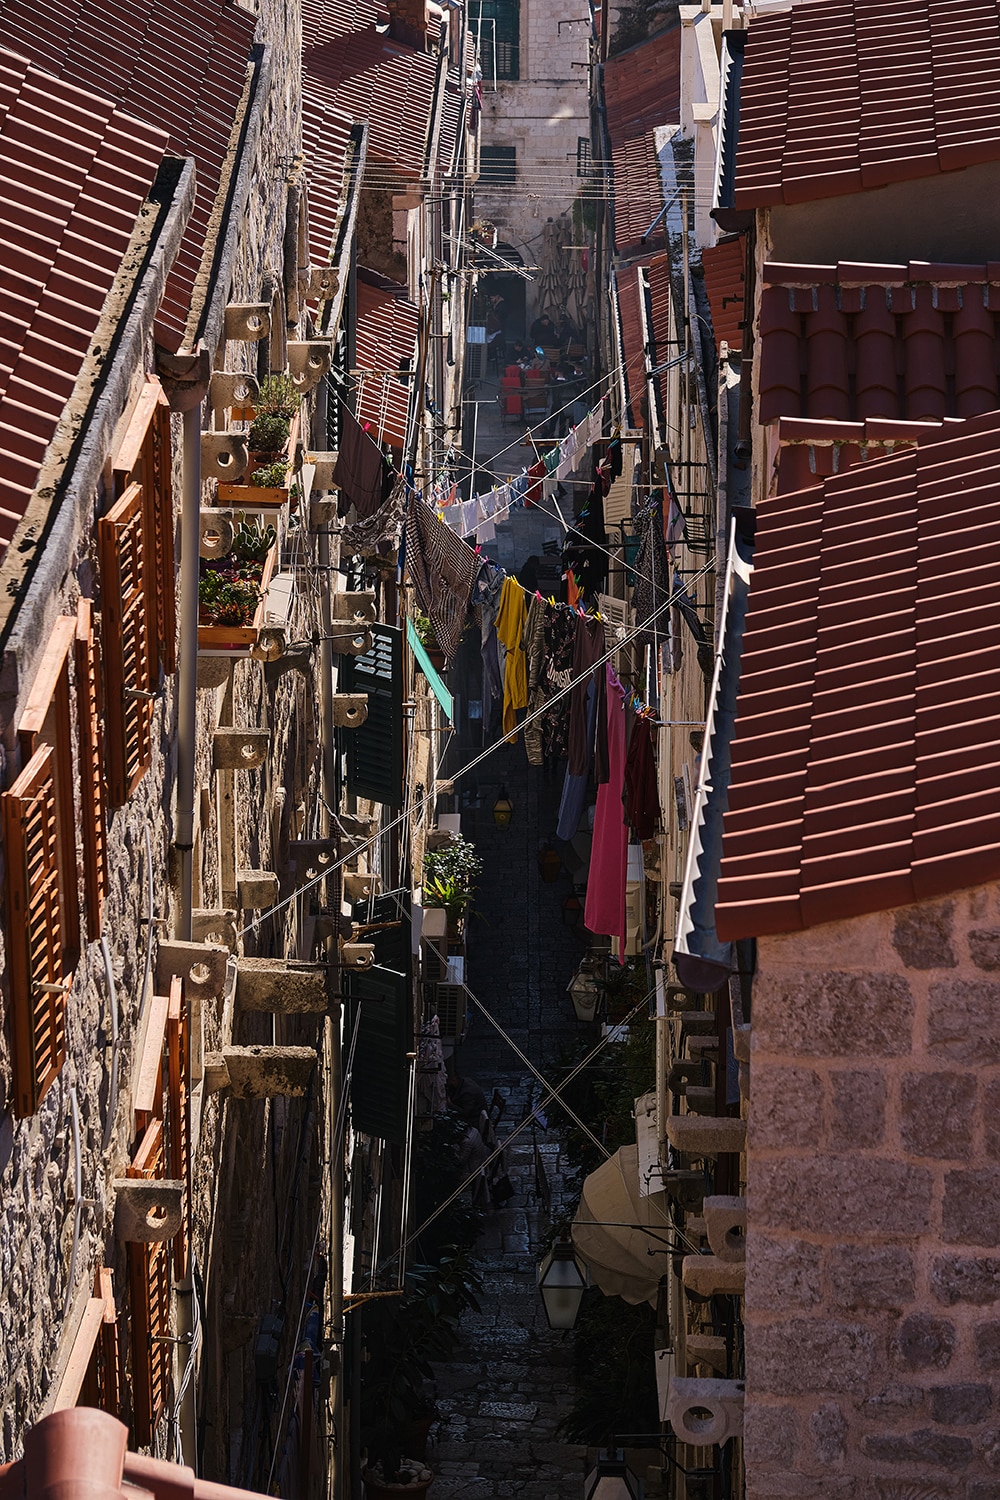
(102, 1382)
(178, 1089)
(162, 533)
(88, 708)
(39, 965)
(127, 641)
(149, 1291)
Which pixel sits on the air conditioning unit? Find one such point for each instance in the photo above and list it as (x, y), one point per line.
(452, 1011)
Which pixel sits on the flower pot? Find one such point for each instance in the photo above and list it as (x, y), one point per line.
(376, 1489)
(436, 657)
(236, 640)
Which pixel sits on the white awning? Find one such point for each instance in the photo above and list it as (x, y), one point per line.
(608, 1230)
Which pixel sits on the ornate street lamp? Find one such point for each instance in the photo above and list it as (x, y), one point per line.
(503, 809)
(583, 992)
(562, 1282)
(612, 1479)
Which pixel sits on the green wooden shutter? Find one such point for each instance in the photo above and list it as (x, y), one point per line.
(381, 1072)
(375, 749)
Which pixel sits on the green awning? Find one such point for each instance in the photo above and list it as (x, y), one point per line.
(437, 687)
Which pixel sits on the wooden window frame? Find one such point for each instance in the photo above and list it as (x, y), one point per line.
(178, 1113)
(93, 795)
(41, 896)
(127, 642)
(149, 1297)
(144, 457)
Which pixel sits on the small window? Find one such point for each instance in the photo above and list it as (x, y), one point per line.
(497, 25)
(497, 164)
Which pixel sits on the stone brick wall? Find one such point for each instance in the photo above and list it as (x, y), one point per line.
(873, 1186)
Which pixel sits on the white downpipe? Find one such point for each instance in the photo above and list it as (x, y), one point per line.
(187, 682)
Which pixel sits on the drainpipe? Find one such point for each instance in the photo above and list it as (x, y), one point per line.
(187, 681)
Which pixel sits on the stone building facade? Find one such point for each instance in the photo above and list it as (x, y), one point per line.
(873, 1199)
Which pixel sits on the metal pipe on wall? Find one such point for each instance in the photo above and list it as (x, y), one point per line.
(187, 675)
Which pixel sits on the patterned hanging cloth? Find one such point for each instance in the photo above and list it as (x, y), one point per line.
(443, 569)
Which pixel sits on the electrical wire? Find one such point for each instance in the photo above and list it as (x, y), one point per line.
(472, 764)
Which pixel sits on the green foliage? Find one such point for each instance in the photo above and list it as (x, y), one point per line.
(253, 539)
(268, 432)
(451, 872)
(615, 1380)
(270, 476)
(278, 398)
(226, 600)
(424, 629)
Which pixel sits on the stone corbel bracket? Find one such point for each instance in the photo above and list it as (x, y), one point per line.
(308, 361)
(268, 984)
(708, 1276)
(202, 966)
(705, 1412)
(240, 749)
(147, 1210)
(224, 455)
(216, 534)
(323, 467)
(247, 322)
(361, 887)
(229, 388)
(357, 955)
(358, 608)
(260, 1072)
(726, 1225)
(350, 710)
(350, 641)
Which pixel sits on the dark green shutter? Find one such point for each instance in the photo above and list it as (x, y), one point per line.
(381, 1073)
(505, 17)
(392, 945)
(375, 750)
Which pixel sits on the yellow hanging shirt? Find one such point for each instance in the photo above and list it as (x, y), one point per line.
(510, 629)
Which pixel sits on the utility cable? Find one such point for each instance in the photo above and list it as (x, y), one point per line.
(477, 760)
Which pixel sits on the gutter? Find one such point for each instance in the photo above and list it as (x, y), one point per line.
(703, 963)
(50, 531)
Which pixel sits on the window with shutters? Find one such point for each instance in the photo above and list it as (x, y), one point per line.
(497, 164)
(91, 742)
(149, 1295)
(381, 1007)
(135, 544)
(41, 897)
(178, 1125)
(498, 26)
(101, 1385)
(375, 748)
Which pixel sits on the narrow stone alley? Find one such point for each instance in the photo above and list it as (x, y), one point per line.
(501, 1399)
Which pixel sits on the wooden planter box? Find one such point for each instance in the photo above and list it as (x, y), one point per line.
(236, 640)
(251, 496)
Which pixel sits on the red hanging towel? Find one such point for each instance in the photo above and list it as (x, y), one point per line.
(605, 907)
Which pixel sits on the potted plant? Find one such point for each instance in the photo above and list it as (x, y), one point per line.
(449, 877)
(427, 638)
(232, 589)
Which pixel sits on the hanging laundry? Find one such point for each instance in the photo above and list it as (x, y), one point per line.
(443, 569)
(361, 470)
(604, 911)
(533, 642)
(536, 474)
(510, 629)
(555, 673)
(487, 596)
(588, 648)
(642, 800)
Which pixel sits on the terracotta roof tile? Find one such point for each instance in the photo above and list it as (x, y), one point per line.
(326, 133)
(838, 98)
(724, 265)
(865, 772)
(177, 67)
(388, 84)
(386, 338)
(62, 252)
(641, 92)
(851, 344)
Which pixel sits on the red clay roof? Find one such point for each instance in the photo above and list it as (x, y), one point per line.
(842, 95)
(724, 265)
(74, 172)
(865, 769)
(641, 92)
(387, 335)
(326, 132)
(325, 20)
(385, 82)
(918, 342)
(180, 67)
